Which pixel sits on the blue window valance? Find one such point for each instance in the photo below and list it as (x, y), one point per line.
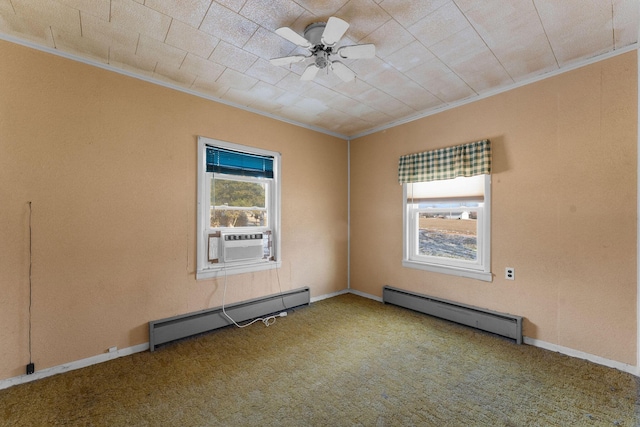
(222, 160)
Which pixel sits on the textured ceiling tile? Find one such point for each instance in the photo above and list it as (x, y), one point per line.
(268, 105)
(202, 67)
(287, 99)
(108, 33)
(344, 104)
(268, 45)
(35, 31)
(388, 104)
(321, 93)
(266, 91)
(440, 81)
(389, 80)
(376, 117)
(298, 114)
(99, 8)
(92, 49)
(228, 25)
(271, 14)
(132, 62)
(239, 97)
(416, 97)
(482, 72)
(408, 13)
(459, 46)
(439, 25)
(153, 49)
(137, 17)
(304, 20)
(322, 8)
(335, 119)
(234, 5)
(364, 17)
(209, 87)
(310, 105)
(367, 68)
(188, 11)
(236, 80)
(625, 22)
(187, 38)
(410, 56)
(6, 7)
(233, 57)
(263, 70)
(354, 89)
(512, 30)
(388, 38)
(174, 75)
(292, 83)
(49, 13)
(582, 17)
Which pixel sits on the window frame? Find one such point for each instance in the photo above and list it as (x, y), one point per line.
(206, 269)
(480, 270)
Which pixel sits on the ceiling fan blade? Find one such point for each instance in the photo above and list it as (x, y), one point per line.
(310, 72)
(293, 37)
(360, 51)
(343, 71)
(334, 31)
(286, 60)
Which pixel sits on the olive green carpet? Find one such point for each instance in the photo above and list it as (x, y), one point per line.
(344, 361)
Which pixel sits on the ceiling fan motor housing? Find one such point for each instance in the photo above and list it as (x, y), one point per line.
(314, 31)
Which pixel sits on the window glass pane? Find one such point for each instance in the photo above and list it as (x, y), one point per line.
(450, 233)
(447, 188)
(238, 203)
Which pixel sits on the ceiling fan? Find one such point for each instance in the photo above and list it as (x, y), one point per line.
(320, 39)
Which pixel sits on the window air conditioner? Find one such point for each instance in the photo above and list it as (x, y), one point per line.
(242, 247)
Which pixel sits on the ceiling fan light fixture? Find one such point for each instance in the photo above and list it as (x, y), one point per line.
(320, 39)
(322, 60)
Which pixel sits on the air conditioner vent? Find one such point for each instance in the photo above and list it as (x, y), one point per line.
(242, 247)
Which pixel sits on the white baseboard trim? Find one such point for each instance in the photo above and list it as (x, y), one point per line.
(331, 295)
(77, 364)
(346, 291)
(633, 370)
(365, 295)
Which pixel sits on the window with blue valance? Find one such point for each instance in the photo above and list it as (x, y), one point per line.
(221, 160)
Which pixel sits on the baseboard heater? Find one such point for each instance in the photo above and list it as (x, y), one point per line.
(502, 324)
(173, 328)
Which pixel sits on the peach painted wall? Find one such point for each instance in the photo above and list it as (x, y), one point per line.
(109, 164)
(563, 208)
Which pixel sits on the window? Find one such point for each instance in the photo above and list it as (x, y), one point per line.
(447, 226)
(238, 208)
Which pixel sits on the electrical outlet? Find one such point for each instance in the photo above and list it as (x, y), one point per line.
(113, 349)
(31, 368)
(510, 273)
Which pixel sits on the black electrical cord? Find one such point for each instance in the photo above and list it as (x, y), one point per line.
(30, 281)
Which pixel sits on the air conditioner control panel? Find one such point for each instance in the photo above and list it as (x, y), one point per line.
(250, 236)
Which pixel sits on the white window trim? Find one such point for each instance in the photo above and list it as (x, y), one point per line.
(482, 273)
(206, 270)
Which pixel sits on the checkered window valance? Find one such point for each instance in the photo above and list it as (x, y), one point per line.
(446, 163)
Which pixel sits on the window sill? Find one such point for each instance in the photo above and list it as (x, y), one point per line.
(229, 270)
(453, 271)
